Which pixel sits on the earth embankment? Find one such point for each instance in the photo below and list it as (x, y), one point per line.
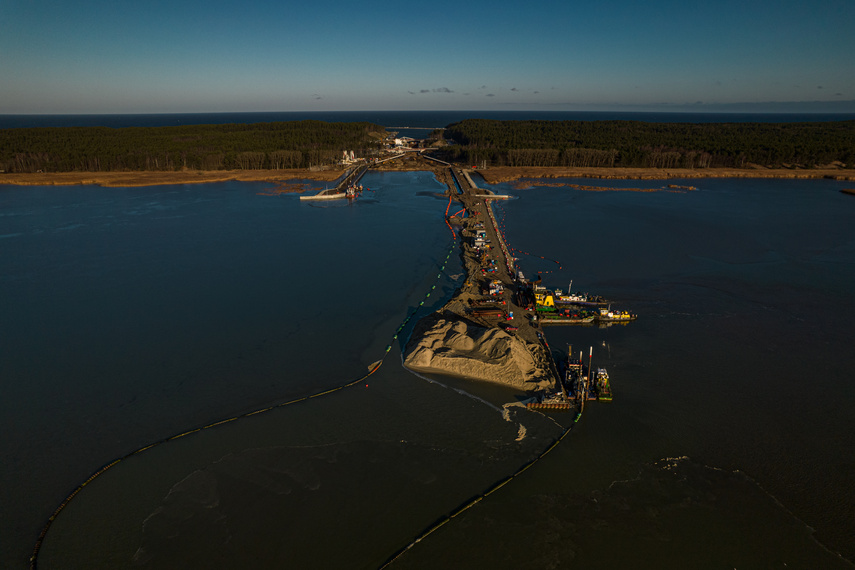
(481, 333)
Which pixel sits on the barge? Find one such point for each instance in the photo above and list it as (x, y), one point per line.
(579, 384)
(551, 402)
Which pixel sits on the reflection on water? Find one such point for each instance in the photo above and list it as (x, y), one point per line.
(150, 315)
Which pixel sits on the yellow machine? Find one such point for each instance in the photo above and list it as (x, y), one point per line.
(544, 299)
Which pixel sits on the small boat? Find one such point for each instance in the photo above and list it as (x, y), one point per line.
(609, 316)
(354, 190)
(604, 389)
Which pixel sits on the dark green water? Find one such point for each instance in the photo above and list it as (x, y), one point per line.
(130, 315)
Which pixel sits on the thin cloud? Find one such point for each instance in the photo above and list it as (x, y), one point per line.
(436, 90)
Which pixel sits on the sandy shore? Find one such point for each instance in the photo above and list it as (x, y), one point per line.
(116, 179)
(493, 175)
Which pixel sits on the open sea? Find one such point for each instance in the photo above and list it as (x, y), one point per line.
(134, 315)
(414, 124)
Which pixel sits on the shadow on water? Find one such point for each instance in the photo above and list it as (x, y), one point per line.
(436, 195)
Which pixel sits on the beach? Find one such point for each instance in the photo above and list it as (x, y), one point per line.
(492, 175)
(160, 178)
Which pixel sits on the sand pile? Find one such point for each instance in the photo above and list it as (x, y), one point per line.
(448, 344)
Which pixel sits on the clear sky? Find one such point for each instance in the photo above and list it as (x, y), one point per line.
(98, 56)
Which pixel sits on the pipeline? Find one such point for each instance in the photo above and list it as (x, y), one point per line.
(477, 499)
(500, 230)
(363, 378)
(501, 483)
(453, 233)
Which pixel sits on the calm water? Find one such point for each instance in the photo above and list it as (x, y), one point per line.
(416, 124)
(131, 315)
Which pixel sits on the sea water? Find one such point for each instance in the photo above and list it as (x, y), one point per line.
(415, 124)
(133, 315)
(739, 363)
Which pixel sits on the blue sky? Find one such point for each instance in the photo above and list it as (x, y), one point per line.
(93, 56)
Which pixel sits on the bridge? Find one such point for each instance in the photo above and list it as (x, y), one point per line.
(340, 190)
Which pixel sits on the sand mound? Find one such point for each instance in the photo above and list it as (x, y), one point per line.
(448, 344)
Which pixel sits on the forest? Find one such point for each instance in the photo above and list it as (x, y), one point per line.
(651, 145)
(296, 144)
(304, 144)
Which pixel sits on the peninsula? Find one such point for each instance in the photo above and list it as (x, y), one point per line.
(482, 333)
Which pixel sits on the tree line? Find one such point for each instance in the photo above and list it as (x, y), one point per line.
(651, 145)
(295, 144)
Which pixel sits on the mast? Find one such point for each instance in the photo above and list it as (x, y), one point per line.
(566, 373)
(590, 368)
